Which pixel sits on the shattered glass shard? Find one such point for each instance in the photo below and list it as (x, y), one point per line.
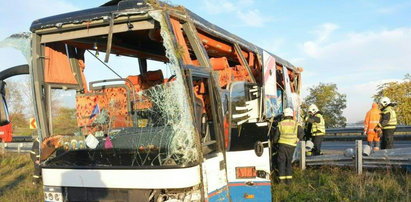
(19, 41)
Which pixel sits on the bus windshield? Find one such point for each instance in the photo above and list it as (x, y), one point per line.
(133, 113)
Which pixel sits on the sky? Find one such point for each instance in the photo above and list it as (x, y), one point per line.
(356, 44)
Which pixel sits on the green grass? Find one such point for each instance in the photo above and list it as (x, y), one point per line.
(342, 184)
(23, 132)
(16, 179)
(314, 184)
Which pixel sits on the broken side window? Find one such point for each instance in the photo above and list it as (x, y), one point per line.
(244, 134)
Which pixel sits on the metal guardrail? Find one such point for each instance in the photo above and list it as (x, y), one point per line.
(378, 159)
(360, 130)
(332, 134)
(22, 139)
(330, 138)
(20, 147)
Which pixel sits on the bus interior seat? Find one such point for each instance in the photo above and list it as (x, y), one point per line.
(240, 73)
(196, 63)
(223, 70)
(152, 78)
(219, 64)
(144, 82)
(85, 104)
(113, 99)
(117, 99)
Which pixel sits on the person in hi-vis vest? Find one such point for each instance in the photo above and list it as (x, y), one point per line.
(371, 121)
(286, 137)
(388, 123)
(315, 125)
(35, 157)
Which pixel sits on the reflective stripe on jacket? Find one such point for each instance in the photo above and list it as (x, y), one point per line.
(392, 123)
(318, 128)
(34, 153)
(372, 119)
(288, 132)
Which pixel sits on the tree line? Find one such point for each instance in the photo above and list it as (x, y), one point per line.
(332, 103)
(21, 105)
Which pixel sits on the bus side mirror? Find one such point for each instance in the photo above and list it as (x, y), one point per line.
(4, 112)
(259, 148)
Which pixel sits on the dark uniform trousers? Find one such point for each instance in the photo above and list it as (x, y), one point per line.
(35, 157)
(387, 139)
(284, 158)
(317, 140)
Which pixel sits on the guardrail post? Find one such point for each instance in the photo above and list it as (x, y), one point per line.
(2, 147)
(302, 155)
(19, 146)
(358, 156)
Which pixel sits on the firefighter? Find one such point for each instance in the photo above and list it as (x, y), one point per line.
(316, 125)
(370, 123)
(388, 123)
(286, 137)
(35, 157)
(307, 136)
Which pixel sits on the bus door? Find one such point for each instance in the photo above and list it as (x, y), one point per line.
(248, 155)
(213, 165)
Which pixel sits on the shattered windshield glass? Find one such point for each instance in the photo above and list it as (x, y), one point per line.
(19, 41)
(139, 120)
(159, 133)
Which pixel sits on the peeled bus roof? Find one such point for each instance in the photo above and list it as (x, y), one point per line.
(119, 6)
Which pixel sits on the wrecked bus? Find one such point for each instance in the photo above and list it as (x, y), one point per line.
(143, 101)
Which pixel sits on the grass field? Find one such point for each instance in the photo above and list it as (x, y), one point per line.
(342, 184)
(314, 184)
(15, 179)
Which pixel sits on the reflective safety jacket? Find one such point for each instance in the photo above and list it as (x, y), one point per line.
(34, 153)
(35, 157)
(317, 124)
(388, 118)
(372, 119)
(288, 129)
